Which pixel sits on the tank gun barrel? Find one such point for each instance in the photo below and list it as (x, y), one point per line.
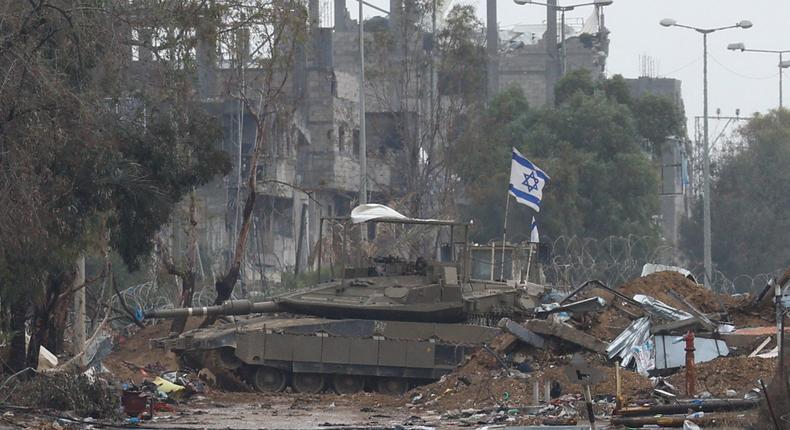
(234, 307)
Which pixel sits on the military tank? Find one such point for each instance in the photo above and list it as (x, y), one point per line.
(387, 325)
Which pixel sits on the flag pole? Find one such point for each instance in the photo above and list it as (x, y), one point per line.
(504, 236)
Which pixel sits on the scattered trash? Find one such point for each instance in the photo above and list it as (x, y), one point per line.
(167, 387)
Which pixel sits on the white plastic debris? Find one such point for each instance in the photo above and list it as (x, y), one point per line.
(46, 359)
(653, 268)
(688, 425)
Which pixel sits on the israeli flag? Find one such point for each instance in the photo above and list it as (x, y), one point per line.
(526, 181)
(534, 237)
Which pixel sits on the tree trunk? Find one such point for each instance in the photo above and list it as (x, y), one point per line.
(56, 315)
(187, 290)
(49, 319)
(18, 353)
(188, 280)
(225, 285)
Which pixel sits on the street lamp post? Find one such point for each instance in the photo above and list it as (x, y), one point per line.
(782, 64)
(563, 9)
(363, 150)
(668, 22)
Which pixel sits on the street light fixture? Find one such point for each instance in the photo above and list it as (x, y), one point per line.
(782, 64)
(669, 22)
(563, 9)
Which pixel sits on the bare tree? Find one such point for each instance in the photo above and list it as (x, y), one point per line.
(426, 79)
(273, 29)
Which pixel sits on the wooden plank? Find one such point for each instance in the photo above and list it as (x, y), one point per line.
(760, 348)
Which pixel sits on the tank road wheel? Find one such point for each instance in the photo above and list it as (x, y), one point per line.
(348, 384)
(310, 383)
(392, 386)
(269, 379)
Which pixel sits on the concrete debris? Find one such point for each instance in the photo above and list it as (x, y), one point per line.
(566, 332)
(521, 333)
(679, 325)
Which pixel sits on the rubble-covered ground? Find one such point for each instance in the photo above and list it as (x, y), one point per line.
(478, 393)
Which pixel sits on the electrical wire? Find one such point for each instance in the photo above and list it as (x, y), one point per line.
(689, 64)
(754, 78)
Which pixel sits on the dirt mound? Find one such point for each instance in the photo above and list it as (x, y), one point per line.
(659, 285)
(481, 383)
(136, 350)
(615, 318)
(729, 373)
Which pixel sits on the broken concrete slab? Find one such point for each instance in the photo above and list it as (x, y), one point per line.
(567, 333)
(521, 332)
(678, 326)
(503, 343)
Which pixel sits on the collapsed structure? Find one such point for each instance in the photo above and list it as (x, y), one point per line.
(312, 167)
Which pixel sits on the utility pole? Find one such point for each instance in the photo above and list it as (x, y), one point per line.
(706, 233)
(706, 230)
(782, 64)
(363, 150)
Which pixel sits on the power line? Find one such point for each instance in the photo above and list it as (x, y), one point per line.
(755, 78)
(691, 63)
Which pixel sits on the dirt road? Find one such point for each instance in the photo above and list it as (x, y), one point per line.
(285, 411)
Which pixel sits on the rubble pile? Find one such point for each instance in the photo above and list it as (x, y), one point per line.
(482, 383)
(739, 374)
(489, 389)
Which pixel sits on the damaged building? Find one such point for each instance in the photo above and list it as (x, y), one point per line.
(311, 169)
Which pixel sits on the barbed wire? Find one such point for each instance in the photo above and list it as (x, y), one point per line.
(614, 260)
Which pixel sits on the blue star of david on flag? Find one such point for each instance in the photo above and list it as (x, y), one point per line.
(526, 181)
(530, 181)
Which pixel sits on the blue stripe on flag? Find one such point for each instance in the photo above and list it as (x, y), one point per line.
(522, 195)
(526, 163)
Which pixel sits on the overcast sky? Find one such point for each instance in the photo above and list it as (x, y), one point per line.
(749, 81)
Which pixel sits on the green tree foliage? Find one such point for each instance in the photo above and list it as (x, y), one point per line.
(575, 82)
(602, 183)
(462, 65)
(658, 118)
(749, 203)
(85, 142)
